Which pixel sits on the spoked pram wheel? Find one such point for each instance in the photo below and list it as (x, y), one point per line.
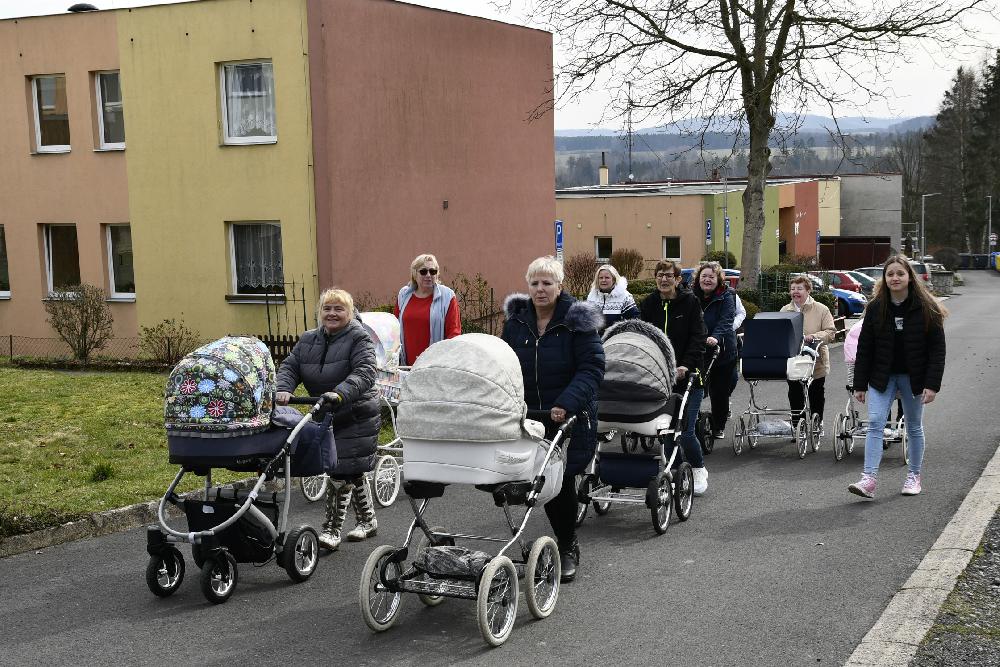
(165, 572)
(703, 430)
(904, 439)
(496, 602)
(219, 576)
(684, 491)
(659, 500)
(422, 544)
(816, 428)
(314, 488)
(300, 554)
(739, 433)
(583, 488)
(840, 437)
(379, 605)
(387, 480)
(541, 576)
(801, 441)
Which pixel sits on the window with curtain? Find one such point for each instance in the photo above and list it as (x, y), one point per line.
(62, 257)
(51, 113)
(257, 263)
(672, 247)
(122, 274)
(4, 271)
(111, 119)
(248, 103)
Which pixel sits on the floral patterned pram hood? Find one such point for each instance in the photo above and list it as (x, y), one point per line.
(222, 389)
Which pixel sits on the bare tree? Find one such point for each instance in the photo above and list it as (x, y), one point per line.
(81, 317)
(731, 64)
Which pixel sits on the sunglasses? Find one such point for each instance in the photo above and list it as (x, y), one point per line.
(424, 272)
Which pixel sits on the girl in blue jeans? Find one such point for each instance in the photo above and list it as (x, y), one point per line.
(901, 348)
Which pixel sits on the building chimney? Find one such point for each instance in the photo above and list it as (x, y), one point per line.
(603, 171)
(82, 7)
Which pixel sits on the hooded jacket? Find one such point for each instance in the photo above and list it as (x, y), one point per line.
(616, 305)
(563, 367)
(924, 346)
(343, 362)
(681, 319)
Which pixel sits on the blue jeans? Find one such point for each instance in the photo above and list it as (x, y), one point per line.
(688, 440)
(879, 404)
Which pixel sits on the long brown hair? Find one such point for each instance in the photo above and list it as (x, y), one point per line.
(934, 312)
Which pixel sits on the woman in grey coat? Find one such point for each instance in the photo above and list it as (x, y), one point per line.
(339, 356)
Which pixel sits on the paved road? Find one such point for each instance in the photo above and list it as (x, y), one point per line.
(779, 565)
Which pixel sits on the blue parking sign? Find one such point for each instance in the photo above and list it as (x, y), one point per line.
(559, 240)
(708, 231)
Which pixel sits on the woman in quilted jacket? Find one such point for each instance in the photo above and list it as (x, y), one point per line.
(339, 356)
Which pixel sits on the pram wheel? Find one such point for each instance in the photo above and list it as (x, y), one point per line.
(379, 605)
(165, 572)
(703, 429)
(738, 434)
(816, 426)
(300, 553)
(314, 488)
(752, 425)
(387, 480)
(219, 576)
(840, 437)
(659, 501)
(424, 543)
(542, 577)
(496, 602)
(583, 487)
(684, 491)
(801, 441)
(904, 439)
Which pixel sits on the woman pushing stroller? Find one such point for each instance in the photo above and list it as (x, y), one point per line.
(338, 356)
(718, 304)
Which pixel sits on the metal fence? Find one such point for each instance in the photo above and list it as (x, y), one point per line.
(56, 349)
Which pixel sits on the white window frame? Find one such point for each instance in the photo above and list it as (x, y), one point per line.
(47, 232)
(597, 252)
(663, 247)
(5, 293)
(115, 294)
(114, 145)
(232, 261)
(39, 148)
(243, 141)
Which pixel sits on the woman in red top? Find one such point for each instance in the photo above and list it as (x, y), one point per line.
(427, 310)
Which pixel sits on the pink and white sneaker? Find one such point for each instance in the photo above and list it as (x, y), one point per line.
(865, 487)
(911, 486)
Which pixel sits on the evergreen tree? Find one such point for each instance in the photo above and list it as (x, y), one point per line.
(986, 152)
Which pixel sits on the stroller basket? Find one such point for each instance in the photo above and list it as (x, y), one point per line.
(450, 562)
(248, 540)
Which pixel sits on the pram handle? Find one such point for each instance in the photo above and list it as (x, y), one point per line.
(546, 416)
(327, 401)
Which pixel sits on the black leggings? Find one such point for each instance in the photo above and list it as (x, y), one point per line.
(720, 386)
(817, 398)
(561, 511)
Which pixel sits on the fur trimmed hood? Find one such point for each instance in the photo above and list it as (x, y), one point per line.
(649, 331)
(579, 315)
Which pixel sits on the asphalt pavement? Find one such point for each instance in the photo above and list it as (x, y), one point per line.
(778, 565)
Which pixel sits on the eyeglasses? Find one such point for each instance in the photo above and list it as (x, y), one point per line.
(663, 274)
(424, 272)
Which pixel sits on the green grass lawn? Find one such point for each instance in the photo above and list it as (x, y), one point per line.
(73, 443)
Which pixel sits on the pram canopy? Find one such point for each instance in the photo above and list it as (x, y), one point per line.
(465, 389)
(769, 340)
(383, 328)
(223, 389)
(639, 372)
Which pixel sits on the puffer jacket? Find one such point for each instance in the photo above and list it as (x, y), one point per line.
(345, 363)
(682, 320)
(924, 345)
(817, 320)
(563, 367)
(719, 312)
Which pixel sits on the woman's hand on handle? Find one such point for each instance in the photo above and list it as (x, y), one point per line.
(928, 396)
(282, 397)
(859, 396)
(558, 414)
(711, 341)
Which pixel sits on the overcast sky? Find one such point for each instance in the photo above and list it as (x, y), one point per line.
(918, 85)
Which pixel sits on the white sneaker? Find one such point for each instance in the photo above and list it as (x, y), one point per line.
(700, 481)
(330, 540)
(363, 530)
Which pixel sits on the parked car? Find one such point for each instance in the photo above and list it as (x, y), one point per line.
(732, 277)
(848, 303)
(867, 282)
(839, 279)
(871, 271)
(923, 271)
(817, 282)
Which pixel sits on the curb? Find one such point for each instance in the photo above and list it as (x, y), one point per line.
(97, 524)
(896, 636)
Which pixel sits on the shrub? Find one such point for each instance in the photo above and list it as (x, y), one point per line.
(802, 262)
(476, 304)
(641, 287)
(168, 341)
(825, 298)
(80, 315)
(384, 308)
(949, 257)
(579, 273)
(752, 309)
(628, 262)
(102, 472)
(720, 256)
(748, 295)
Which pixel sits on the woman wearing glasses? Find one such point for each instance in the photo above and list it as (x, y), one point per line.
(427, 310)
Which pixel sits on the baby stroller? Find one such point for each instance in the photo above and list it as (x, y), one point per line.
(462, 419)
(773, 349)
(638, 460)
(385, 479)
(850, 425)
(219, 413)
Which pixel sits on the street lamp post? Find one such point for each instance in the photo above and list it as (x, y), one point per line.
(989, 226)
(923, 226)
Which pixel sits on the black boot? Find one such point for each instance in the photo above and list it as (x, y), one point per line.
(569, 559)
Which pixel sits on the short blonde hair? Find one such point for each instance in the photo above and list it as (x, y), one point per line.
(334, 295)
(418, 263)
(547, 265)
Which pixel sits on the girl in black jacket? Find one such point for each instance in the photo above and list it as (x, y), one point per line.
(901, 348)
(562, 362)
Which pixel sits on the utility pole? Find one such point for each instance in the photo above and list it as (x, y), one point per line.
(923, 225)
(628, 133)
(989, 225)
(725, 219)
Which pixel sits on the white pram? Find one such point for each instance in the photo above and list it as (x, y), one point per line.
(462, 420)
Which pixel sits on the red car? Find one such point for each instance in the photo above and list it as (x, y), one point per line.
(838, 279)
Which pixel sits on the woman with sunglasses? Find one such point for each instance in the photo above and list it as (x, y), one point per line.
(427, 310)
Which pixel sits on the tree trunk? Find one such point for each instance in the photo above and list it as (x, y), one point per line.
(761, 122)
